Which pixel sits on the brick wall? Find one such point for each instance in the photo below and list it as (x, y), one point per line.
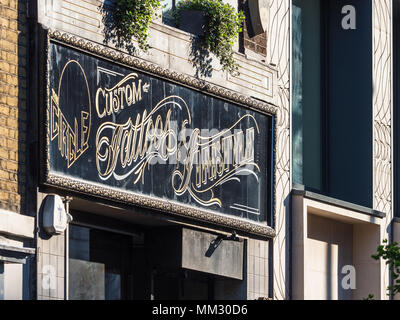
(256, 43)
(13, 93)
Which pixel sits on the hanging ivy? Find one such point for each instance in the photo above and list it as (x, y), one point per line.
(223, 25)
(131, 18)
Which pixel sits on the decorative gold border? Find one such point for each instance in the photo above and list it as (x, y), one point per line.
(66, 183)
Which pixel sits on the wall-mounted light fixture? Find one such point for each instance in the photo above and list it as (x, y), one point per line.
(55, 217)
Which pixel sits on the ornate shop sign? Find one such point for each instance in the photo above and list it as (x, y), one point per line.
(136, 136)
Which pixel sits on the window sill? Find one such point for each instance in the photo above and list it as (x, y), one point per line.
(14, 254)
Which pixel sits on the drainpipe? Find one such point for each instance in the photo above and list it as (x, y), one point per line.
(67, 200)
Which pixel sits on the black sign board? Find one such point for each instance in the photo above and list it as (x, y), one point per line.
(133, 135)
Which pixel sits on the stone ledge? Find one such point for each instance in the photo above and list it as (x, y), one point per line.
(300, 190)
(16, 224)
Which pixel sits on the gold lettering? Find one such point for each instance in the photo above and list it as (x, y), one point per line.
(68, 134)
(124, 93)
(137, 91)
(110, 104)
(68, 143)
(121, 93)
(124, 149)
(140, 141)
(98, 92)
(128, 96)
(54, 110)
(198, 169)
(205, 164)
(84, 130)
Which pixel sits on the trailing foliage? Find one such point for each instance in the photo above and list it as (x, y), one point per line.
(131, 18)
(223, 25)
(391, 254)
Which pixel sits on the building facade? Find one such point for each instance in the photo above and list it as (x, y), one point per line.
(157, 175)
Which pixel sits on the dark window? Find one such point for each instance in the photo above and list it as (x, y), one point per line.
(167, 8)
(332, 100)
(307, 106)
(104, 265)
(26, 279)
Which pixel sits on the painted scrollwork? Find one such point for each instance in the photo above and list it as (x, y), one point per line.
(75, 185)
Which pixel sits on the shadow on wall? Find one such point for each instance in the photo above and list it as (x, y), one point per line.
(200, 58)
(110, 36)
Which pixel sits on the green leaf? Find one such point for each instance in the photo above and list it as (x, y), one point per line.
(222, 28)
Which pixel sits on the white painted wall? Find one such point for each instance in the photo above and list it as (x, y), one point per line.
(13, 281)
(326, 238)
(365, 243)
(329, 248)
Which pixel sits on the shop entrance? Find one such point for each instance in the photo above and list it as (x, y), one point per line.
(105, 265)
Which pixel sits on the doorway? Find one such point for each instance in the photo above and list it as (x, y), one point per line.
(105, 265)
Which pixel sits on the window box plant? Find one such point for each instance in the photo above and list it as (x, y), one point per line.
(131, 19)
(222, 27)
(218, 25)
(192, 21)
